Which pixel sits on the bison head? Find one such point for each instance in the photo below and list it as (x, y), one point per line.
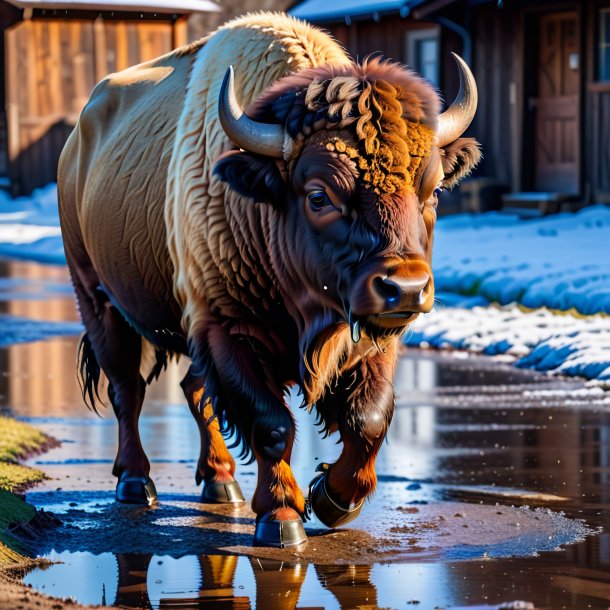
(352, 160)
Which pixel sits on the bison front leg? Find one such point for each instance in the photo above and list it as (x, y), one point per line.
(216, 466)
(360, 406)
(245, 382)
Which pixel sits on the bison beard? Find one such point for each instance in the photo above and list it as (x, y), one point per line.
(290, 244)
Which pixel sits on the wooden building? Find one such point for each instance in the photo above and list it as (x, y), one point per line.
(543, 70)
(53, 54)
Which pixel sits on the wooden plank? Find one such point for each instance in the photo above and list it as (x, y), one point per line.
(557, 141)
(599, 86)
(160, 40)
(163, 39)
(88, 50)
(65, 67)
(30, 74)
(111, 46)
(133, 46)
(145, 36)
(101, 54)
(12, 92)
(54, 67)
(122, 56)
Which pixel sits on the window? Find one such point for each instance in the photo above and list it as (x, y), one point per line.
(423, 53)
(603, 67)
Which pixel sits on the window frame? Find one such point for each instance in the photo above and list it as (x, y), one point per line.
(412, 40)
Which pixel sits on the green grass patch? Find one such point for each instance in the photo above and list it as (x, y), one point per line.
(17, 440)
(12, 510)
(15, 477)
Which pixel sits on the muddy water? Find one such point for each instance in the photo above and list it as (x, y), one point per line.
(493, 487)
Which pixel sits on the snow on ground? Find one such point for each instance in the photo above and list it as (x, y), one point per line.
(16, 329)
(558, 262)
(539, 339)
(29, 227)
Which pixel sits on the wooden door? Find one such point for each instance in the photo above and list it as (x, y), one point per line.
(556, 107)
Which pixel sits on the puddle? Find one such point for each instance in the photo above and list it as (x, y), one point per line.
(521, 460)
(157, 581)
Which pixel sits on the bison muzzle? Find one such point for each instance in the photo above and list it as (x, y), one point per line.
(287, 244)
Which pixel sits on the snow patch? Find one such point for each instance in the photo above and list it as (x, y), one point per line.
(541, 339)
(29, 227)
(15, 329)
(559, 262)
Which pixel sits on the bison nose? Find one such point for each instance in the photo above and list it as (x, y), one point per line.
(388, 290)
(402, 293)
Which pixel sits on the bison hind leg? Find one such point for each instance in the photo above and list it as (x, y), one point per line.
(216, 466)
(112, 346)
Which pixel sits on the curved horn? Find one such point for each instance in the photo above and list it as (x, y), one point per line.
(262, 138)
(455, 120)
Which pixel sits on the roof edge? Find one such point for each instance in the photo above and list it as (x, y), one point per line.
(184, 7)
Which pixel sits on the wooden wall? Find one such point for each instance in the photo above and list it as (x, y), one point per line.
(386, 37)
(51, 69)
(497, 38)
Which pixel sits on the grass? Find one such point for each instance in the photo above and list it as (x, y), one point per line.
(17, 441)
(15, 477)
(12, 510)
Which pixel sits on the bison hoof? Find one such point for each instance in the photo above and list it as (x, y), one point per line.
(330, 512)
(271, 531)
(222, 493)
(136, 490)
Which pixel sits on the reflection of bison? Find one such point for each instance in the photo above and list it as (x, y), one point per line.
(290, 244)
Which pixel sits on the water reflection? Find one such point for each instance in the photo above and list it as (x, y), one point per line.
(238, 582)
(219, 581)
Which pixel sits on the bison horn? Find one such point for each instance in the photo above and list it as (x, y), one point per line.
(262, 138)
(455, 120)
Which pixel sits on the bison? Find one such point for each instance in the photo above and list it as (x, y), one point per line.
(287, 244)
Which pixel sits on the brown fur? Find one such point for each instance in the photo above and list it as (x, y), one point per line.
(277, 488)
(459, 158)
(219, 466)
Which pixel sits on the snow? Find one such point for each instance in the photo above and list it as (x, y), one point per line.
(540, 339)
(559, 262)
(16, 329)
(551, 263)
(484, 267)
(29, 227)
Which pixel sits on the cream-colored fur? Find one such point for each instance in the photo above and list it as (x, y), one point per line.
(262, 47)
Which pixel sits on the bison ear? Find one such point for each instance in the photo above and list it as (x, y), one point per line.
(253, 176)
(459, 159)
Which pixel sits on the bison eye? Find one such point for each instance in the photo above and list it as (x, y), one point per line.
(318, 200)
(321, 210)
(438, 190)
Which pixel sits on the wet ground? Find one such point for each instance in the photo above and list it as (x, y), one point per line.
(493, 487)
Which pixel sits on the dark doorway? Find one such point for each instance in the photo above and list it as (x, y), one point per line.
(555, 104)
